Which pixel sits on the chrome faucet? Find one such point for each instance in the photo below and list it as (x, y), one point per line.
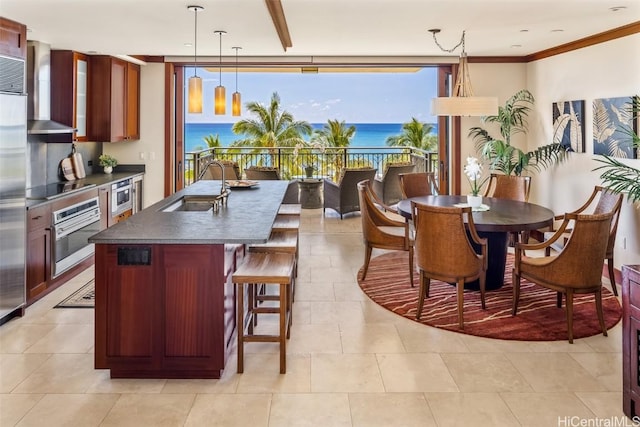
(221, 199)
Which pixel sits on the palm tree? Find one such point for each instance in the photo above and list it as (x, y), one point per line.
(414, 134)
(335, 134)
(512, 118)
(213, 141)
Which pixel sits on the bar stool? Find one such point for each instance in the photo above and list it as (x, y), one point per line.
(290, 209)
(270, 269)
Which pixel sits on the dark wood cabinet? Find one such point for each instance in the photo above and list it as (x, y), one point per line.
(114, 85)
(69, 90)
(631, 340)
(38, 251)
(164, 311)
(13, 38)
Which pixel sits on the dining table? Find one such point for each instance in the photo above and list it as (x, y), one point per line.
(494, 220)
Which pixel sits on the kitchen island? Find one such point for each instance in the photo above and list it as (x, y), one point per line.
(165, 303)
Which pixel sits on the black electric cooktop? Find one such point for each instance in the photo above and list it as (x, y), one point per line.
(57, 189)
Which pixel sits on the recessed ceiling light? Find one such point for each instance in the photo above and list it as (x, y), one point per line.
(617, 8)
(524, 31)
(557, 31)
(187, 44)
(516, 45)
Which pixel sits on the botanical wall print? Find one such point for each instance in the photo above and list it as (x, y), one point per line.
(568, 125)
(611, 116)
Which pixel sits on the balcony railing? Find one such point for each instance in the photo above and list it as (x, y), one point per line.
(325, 163)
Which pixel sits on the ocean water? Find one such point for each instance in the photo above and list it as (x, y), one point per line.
(367, 134)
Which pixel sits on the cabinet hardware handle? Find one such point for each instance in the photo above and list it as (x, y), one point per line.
(36, 217)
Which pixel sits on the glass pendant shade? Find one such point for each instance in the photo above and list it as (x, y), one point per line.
(220, 102)
(236, 104)
(195, 94)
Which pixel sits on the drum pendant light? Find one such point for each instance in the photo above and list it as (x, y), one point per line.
(220, 102)
(462, 102)
(195, 82)
(236, 104)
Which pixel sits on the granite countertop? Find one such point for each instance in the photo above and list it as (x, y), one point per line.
(247, 218)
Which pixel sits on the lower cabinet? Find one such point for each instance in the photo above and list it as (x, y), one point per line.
(631, 340)
(164, 311)
(38, 251)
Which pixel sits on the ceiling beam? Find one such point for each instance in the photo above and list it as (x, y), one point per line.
(280, 22)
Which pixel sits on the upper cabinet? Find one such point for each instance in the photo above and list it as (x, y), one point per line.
(114, 85)
(69, 94)
(13, 38)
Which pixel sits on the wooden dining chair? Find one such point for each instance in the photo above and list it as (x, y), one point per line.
(575, 270)
(444, 251)
(418, 184)
(509, 187)
(380, 231)
(607, 202)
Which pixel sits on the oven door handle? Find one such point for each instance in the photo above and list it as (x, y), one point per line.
(65, 228)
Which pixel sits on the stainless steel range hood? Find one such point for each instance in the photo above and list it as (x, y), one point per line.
(39, 92)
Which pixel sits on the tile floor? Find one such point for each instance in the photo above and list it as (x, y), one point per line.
(350, 363)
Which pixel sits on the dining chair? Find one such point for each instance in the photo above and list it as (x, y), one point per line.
(607, 202)
(262, 173)
(575, 270)
(342, 196)
(513, 188)
(387, 187)
(418, 184)
(380, 231)
(445, 251)
(231, 171)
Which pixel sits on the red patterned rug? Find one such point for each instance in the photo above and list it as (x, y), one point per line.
(538, 318)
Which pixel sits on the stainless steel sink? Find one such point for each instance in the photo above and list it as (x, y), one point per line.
(194, 204)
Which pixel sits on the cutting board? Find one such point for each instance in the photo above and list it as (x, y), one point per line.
(78, 165)
(66, 166)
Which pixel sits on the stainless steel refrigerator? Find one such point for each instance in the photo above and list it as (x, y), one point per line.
(13, 146)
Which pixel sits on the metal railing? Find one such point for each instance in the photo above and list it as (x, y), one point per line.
(293, 163)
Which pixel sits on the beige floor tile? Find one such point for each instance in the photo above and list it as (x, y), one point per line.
(230, 410)
(61, 373)
(578, 346)
(315, 291)
(314, 338)
(69, 410)
(489, 345)
(329, 274)
(371, 338)
(390, 409)
(13, 407)
(301, 410)
(227, 384)
(65, 339)
(470, 409)
(301, 313)
(14, 368)
(417, 372)
(150, 410)
(546, 409)
(374, 313)
(84, 316)
(554, 372)
(18, 336)
(343, 312)
(348, 291)
(347, 373)
(262, 374)
(484, 372)
(604, 367)
(604, 404)
(608, 344)
(105, 384)
(418, 338)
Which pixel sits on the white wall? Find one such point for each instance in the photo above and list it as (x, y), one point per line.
(151, 142)
(606, 70)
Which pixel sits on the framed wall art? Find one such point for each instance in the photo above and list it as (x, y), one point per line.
(612, 121)
(568, 125)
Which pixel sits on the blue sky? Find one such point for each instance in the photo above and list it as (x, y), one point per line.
(315, 98)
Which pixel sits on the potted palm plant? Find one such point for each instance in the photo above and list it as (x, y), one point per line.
(617, 176)
(499, 153)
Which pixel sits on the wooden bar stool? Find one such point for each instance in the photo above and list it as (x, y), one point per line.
(270, 269)
(286, 223)
(290, 209)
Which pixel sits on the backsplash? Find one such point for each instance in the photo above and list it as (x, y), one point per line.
(43, 160)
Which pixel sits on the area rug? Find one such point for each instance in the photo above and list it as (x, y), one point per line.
(82, 298)
(538, 318)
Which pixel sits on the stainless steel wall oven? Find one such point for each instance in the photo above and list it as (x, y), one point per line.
(72, 227)
(121, 197)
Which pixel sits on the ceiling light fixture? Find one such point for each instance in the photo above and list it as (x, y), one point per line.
(220, 102)
(462, 102)
(236, 104)
(195, 82)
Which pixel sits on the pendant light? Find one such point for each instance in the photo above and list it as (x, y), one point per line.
(462, 102)
(195, 82)
(236, 104)
(220, 103)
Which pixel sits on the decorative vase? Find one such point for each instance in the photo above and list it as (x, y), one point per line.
(108, 169)
(474, 201)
